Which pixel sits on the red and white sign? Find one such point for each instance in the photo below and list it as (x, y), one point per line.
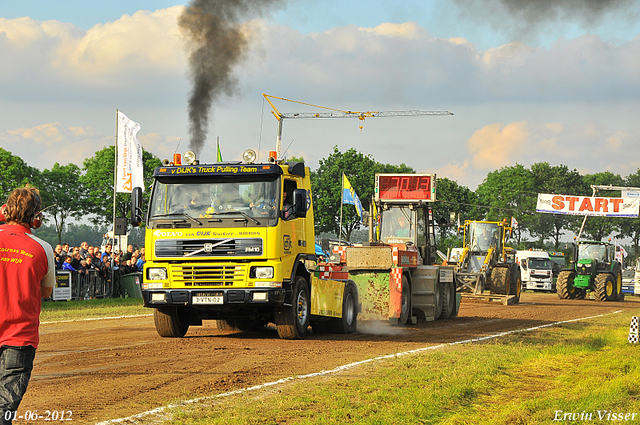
(587, 205)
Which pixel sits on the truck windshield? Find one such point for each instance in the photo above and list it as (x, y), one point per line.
(481, 236)
(540, 263)
(210, 202)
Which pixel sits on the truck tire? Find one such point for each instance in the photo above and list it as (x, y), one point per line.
(170, 322)
(605, 287)
(292, 321)
(438, 297)
(500, 279)
(405, 311)
(348, 323)
(564, 285)
(448, 300)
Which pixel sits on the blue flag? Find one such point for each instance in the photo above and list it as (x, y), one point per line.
(349, 195)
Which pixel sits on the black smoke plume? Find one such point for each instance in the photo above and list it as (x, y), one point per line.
(521, 17)
(217, 44)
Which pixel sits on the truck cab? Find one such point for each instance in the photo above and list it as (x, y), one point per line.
(536, 270)
(233, 242)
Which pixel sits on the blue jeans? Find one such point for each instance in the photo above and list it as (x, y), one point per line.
(16, 364)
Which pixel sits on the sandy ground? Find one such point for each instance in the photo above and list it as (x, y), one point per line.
(114, 368)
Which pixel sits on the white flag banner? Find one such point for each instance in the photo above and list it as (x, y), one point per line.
(587, 205)
(129, 168)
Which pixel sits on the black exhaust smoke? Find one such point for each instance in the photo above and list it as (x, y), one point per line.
(217, 43)
(528, 16)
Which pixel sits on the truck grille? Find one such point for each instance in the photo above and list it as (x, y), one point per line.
(208, 275)
(209, 247)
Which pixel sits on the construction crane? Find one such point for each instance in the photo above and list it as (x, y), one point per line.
(336, 113)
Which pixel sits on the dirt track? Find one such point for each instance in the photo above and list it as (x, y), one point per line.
(115, 368)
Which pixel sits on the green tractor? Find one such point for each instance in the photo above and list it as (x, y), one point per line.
(593, 267)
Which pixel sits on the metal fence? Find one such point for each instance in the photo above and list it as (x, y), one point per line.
(88, 285)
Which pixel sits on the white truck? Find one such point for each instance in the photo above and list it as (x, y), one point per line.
(536, 270)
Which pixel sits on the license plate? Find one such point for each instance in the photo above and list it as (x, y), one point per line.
(213, 299)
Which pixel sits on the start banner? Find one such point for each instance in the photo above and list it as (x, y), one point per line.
(587, 205)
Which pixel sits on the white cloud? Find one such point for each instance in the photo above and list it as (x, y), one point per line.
(513, 103)
(50, 53)
(44, 145)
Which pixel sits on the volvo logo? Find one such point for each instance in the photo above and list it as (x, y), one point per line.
(208, 247)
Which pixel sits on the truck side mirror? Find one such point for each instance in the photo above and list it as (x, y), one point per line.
(301, 202)
(136, 207)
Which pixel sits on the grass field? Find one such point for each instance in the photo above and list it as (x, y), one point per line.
(77, 310)
(578, 372)
(582, 372)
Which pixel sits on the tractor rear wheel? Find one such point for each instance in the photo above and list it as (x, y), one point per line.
(564, 285)
(500, 279)
(516, 287)
(605, 287)
(618, 285)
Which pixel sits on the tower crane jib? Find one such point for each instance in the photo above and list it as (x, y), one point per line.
(337, 113)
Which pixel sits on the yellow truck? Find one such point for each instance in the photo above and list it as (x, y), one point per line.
(235, 242)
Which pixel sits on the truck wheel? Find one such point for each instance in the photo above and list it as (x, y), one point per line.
(349, 321)
(605, 287)
(405, 310)
(292, 321)
(564, 286)
(448, 300)
(438, 296)
(170, 322)
(500, 280)
(454, 297)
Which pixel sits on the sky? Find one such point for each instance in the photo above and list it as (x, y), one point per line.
(527, 80)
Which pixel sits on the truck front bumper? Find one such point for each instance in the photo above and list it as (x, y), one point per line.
(539, 285)
(220, 298)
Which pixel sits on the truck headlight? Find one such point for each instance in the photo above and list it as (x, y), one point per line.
(265, 272)
(156, 273)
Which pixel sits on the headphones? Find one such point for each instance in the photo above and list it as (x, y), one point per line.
(36, 216)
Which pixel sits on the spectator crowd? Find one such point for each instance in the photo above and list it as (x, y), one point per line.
(85, 257)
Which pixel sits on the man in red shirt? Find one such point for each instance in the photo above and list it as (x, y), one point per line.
(27, 274)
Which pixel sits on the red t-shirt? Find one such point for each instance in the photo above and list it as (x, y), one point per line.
(26, 262)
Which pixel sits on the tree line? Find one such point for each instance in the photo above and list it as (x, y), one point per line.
(72, 192)
(508, 192)
(87, 192)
